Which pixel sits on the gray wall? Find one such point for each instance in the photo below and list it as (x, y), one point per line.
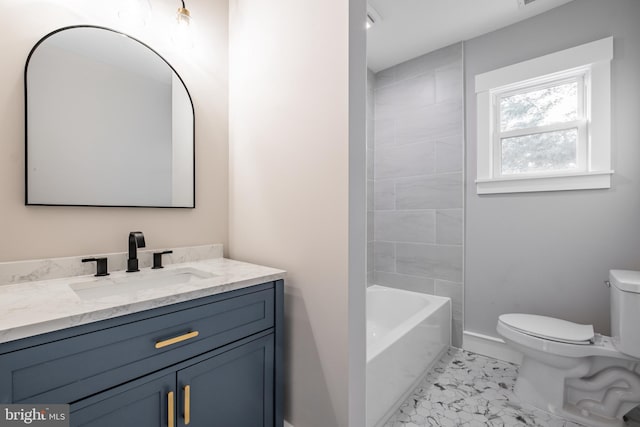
(549, 253)
(417, 172)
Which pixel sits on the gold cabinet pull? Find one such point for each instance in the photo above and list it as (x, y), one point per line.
(187, 405)
(170, 410)
(177, 339)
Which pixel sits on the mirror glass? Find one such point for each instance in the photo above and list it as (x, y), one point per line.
(108, 123)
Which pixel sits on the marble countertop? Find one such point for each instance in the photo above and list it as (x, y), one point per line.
(32, 308)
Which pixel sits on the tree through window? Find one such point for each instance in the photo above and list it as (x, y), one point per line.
(540, 127)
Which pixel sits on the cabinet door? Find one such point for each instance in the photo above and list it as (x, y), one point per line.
(232, 389)
(148, 402)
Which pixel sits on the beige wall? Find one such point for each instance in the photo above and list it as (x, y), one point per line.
(28, 232)
(289, 204)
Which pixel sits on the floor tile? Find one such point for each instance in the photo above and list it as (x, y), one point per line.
(469, 390)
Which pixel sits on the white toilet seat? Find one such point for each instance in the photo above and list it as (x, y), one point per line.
(601, 345)
(550, 328)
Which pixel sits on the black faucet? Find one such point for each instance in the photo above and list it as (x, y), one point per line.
(101, 263)
(136, 240)
(157, 259)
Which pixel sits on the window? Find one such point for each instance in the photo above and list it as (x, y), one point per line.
(544, 124)
(541, 128)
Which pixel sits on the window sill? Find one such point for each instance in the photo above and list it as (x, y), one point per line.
(581, 181)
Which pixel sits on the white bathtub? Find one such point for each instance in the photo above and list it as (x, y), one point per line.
(406, 333)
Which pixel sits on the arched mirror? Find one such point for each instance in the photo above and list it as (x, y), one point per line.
(109, 122)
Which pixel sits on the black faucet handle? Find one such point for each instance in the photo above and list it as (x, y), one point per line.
(157, 259)
(101, 266)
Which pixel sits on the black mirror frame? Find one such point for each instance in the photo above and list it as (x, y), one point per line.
(26, 138)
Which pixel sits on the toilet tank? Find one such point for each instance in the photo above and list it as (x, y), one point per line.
(625, 311)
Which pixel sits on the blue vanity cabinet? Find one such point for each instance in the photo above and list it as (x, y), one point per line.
(216, 360)
(143, 403)
(234, 388)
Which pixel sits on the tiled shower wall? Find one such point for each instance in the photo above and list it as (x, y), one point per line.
(417, 170)
(371, 78)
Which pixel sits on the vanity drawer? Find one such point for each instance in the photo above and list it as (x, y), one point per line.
(69, 369)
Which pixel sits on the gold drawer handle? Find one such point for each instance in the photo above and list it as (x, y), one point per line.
(177, 339)
(187, 405)
(170, 414)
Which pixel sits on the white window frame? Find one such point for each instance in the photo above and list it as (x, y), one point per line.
(590, 65)
(580, 77)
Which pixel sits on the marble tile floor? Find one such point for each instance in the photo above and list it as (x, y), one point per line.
(469, 390)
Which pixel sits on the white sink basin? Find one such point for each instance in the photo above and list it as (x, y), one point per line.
(133, 282)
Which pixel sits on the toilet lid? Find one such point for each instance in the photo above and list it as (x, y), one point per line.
(549, 328)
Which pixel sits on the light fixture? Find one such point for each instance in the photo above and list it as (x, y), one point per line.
(373, 17)
(135, 13)
(183, 28)
(523, 3)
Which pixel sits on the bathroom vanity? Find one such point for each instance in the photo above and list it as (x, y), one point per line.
(198, 343)
(207, 351)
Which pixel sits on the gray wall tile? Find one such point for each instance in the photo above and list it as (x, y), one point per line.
(405, 226)
(417, 170)
(449, 154)
(457, 328)
(429, 122)
(428, 63)
(415, 127)
(384, 256)
(370, 194)
(370, 164)
(449, 226)
(385, 78)
(371, 78)
(404, 281)
(371, 133)
(404, 97)
(385, 132)
(384, 195)
(454, 291)
(371, 107)
(371, 123)
(431, 192)
(435, 261)
(449, 82)
(406, 160)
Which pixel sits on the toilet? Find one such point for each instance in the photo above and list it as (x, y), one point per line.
(569, 370)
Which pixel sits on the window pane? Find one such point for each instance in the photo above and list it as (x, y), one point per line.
(547, 151)
(556, 104)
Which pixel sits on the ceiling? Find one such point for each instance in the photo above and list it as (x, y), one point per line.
(410, 28)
